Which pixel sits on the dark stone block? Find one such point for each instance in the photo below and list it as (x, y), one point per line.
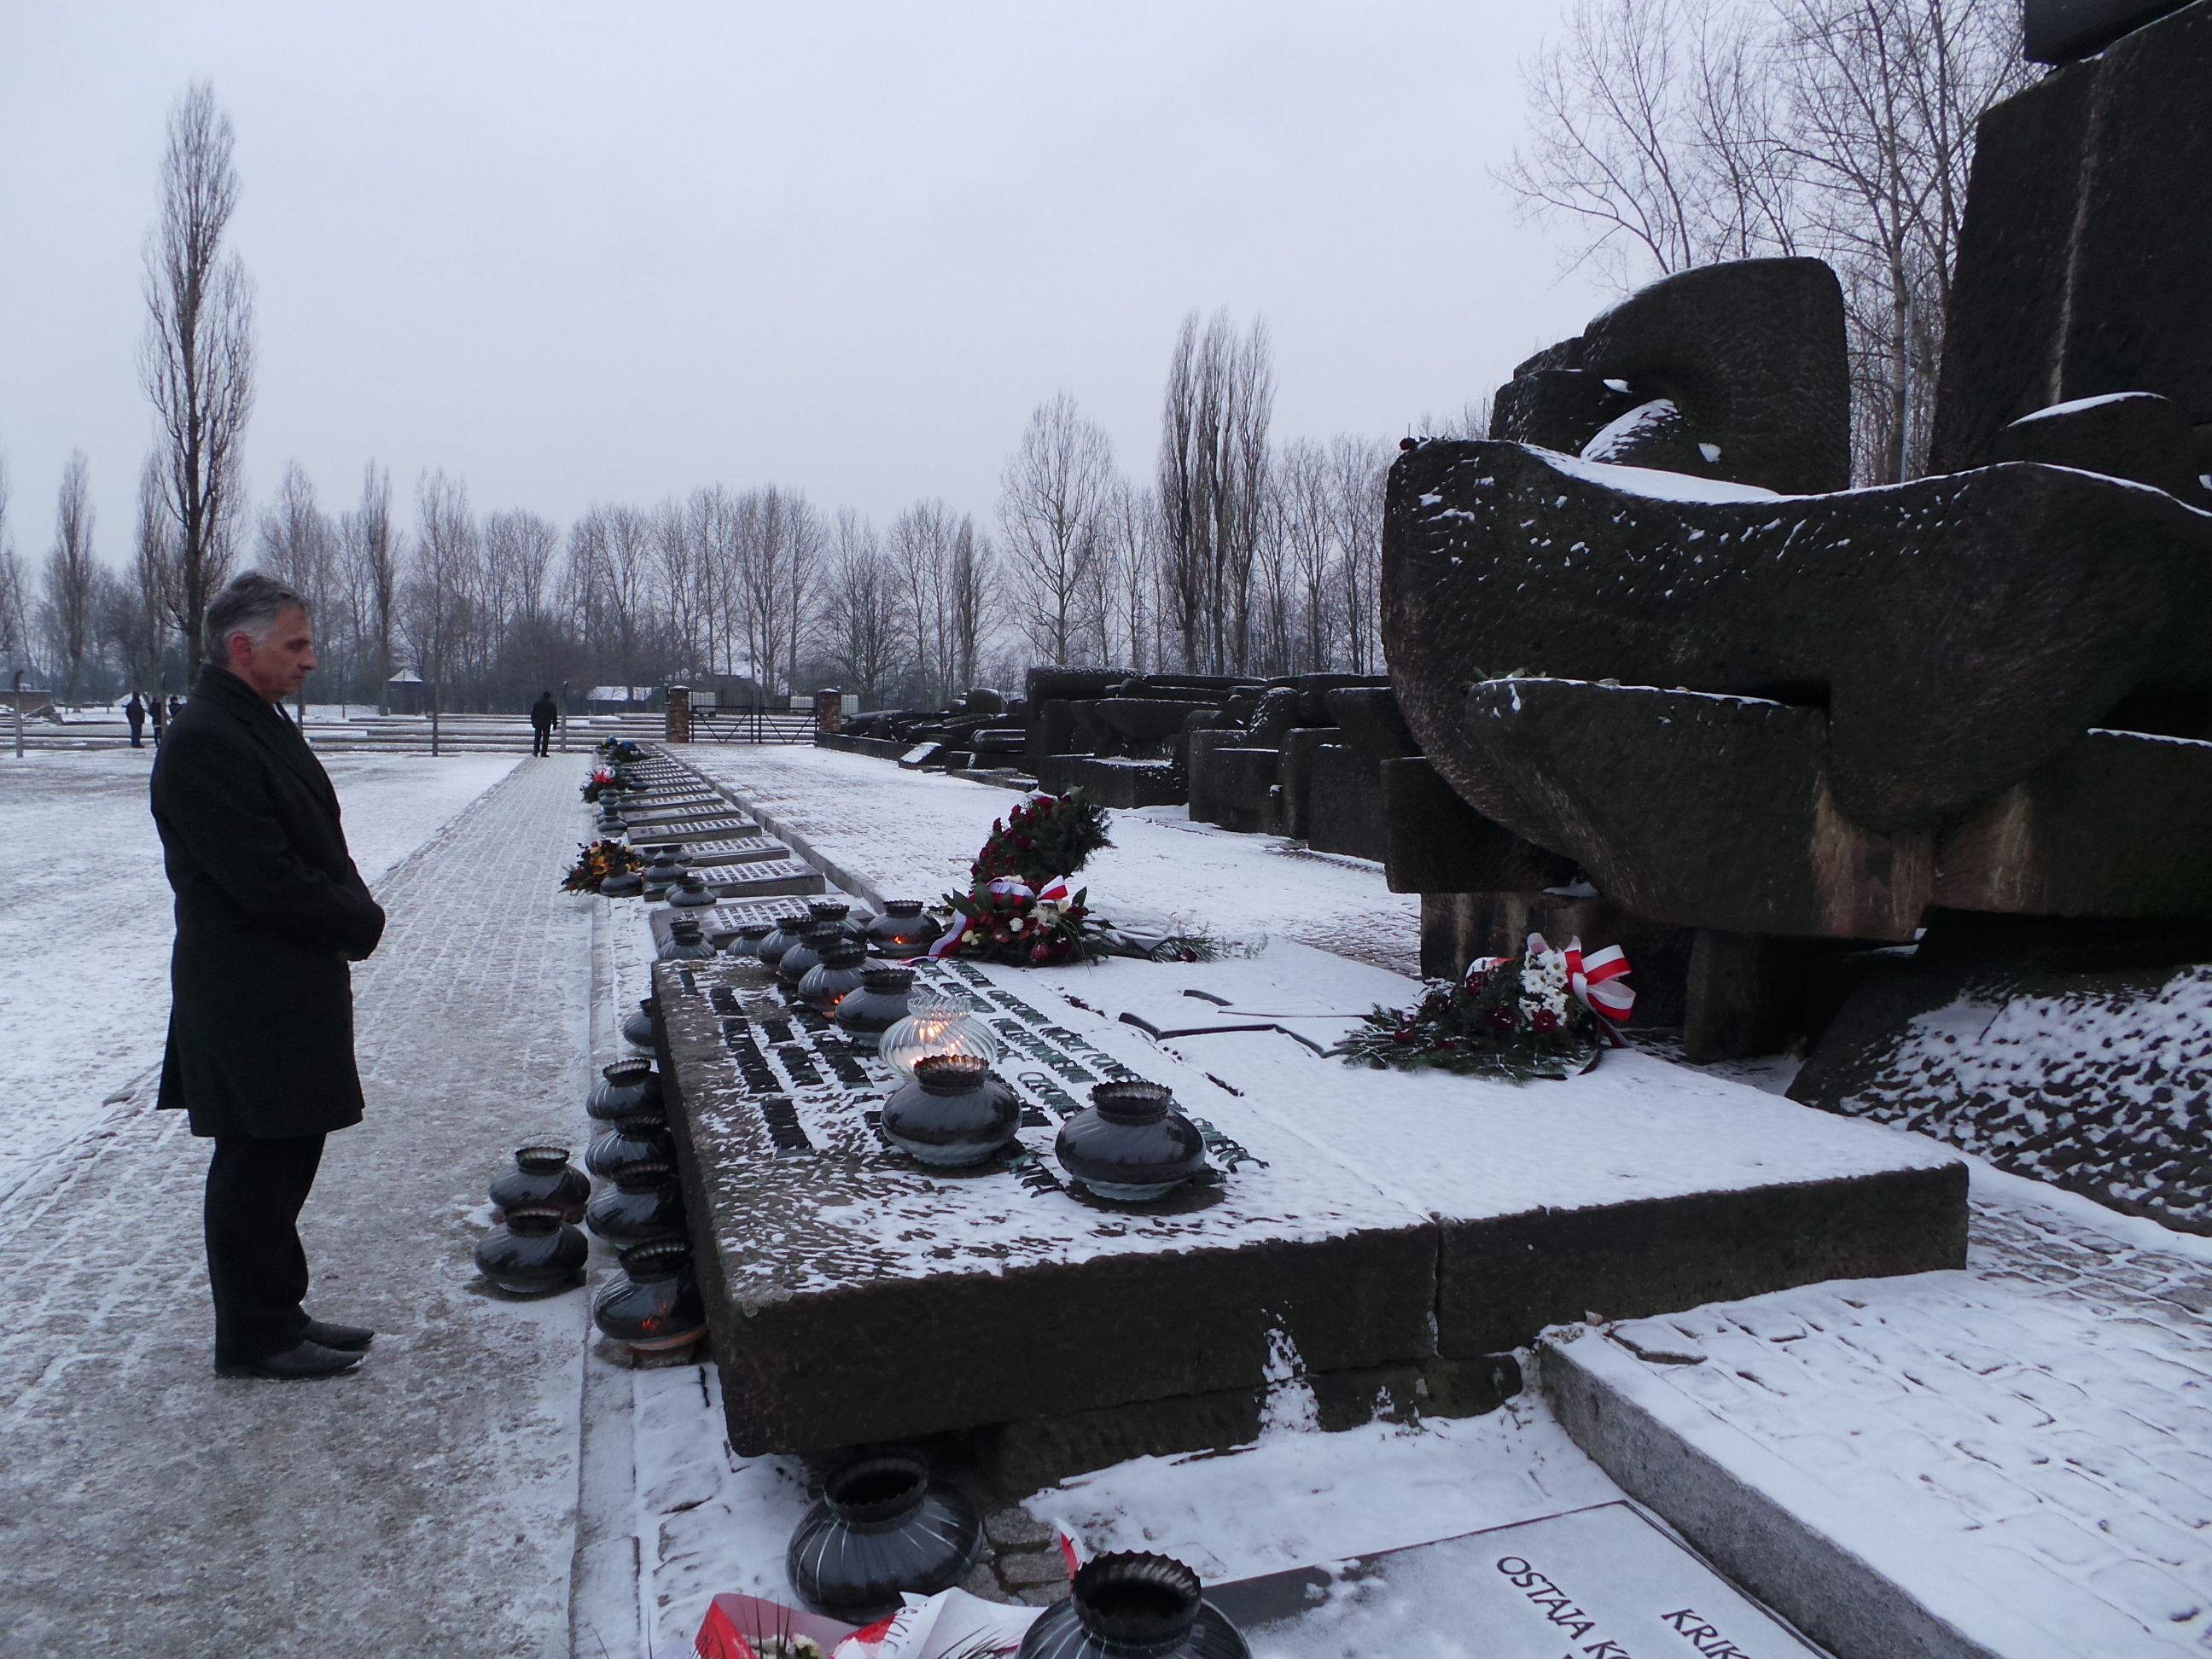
(2116, 825)
(1143, 727)
(1051, 730)
(810, 1372)
(1658, 435)
(2083, 261)
(1300, 749)
(1371, 726)
(2133, 434)
(1947, 679)
(1746, 995)
(2060, 31)
(1277, 717)
(2001, 342)
(1560, 409)
(2143, 261)
(1751, 353)
(1043, 684)
(868, 1352)
(1123, 783)
(1313, 691)
(1695, 809)
(1234, 786)
(1343, 804)
(1435, 842)
(1503, 1280)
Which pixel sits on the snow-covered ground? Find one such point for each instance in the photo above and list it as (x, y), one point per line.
(910, 834)
(85, 918)
(84, 951)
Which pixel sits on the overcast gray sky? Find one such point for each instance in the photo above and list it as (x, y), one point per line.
(575, 253)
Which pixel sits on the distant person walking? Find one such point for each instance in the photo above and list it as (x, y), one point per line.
(135, 712)
(176, 707)
(270, 913)
(158, 712)
(543, 715)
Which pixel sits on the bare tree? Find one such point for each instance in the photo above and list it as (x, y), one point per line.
(1131, 574)
(369, 555)
(1052, 499)
(197, 361)
(1214, 460)
(434, 599)
(70, 611)
(300, 546)
(1357, 468)
(859, 632)
(938, 570)
(1884, 98)
(14, 608)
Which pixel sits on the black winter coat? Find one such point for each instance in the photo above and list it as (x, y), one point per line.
(270, 910)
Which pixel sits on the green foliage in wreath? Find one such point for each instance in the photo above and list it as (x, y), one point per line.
(1511, 1019)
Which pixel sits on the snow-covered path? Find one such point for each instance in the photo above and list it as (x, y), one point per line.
(85, 920)
(424, 1506)
(911, 835)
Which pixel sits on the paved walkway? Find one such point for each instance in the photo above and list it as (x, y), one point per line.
(2026, 1442)
(425, 1506)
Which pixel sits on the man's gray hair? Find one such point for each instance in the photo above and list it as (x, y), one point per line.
(250, 605)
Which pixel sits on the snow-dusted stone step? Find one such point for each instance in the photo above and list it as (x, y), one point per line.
(2012, 1461)
(1392, 1228)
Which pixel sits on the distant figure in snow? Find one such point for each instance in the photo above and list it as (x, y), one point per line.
(543, 715)
(158, 711)
(135, 712)
(270, 912)
(176, 707)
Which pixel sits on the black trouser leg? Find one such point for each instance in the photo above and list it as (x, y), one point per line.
(256, 1267)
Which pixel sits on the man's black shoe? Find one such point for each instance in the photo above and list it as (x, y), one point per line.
(309, 1359)
(346, 1339)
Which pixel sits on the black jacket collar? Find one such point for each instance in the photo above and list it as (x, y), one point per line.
(269, 727)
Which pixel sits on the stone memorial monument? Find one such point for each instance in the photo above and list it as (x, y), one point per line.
(1675, 685)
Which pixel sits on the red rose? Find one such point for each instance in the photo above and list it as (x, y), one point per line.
(1499, 1018)
(1544, 1020)
(1404, 1033)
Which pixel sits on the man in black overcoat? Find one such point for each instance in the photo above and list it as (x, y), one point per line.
(270, 912)
(543, 714)
(135, 712)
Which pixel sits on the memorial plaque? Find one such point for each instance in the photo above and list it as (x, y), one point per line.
(720, 923)
(711, 854)
(722, 826)
(1603, 1582)
(766, 879)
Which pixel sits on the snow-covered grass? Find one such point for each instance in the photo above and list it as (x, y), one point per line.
(85, 923)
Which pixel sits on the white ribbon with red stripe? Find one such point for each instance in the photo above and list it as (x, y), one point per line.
(1595, 981)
